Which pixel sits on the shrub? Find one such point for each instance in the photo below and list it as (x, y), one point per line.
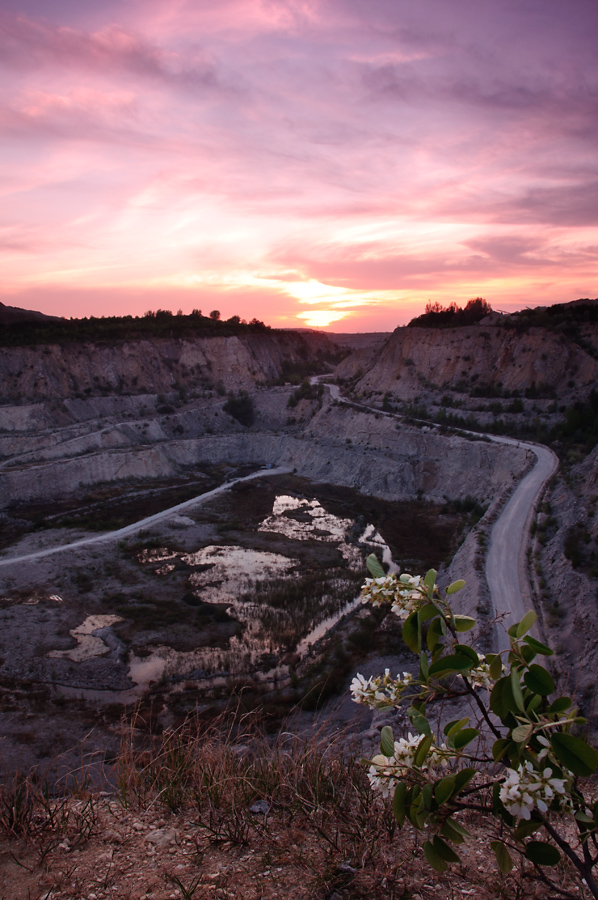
(528, 784)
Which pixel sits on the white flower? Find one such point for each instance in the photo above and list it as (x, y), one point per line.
(382, 690)
(386, 770)
(480, 677)
(406, 592)
(525, 788)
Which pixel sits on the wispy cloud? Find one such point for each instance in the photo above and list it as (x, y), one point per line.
(388, 152)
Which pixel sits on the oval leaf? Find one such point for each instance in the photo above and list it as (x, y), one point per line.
(436, 861)
(464, 623)
(373, 564)
(398, 803)
(387, 741)
(412, 632)
(540, 648)
(422, 751)
(456, 662)
(444, 851)
(444, 789)
(522, 733)
(465, 737)
(538, 680)
(454, 587)
(574, 754)
(503, 857)
(526, 623)
(542, 854)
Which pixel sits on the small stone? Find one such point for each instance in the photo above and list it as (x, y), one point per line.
(260, 808)
(162, 836)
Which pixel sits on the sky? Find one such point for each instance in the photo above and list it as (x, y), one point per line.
(313, 163)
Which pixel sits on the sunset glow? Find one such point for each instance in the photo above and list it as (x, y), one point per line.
(322, 163)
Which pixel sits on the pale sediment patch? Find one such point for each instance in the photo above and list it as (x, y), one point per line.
(89, 645)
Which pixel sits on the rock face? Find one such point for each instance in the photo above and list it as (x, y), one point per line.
(341, 445)
(464, 357)
(566, 565)
(153, 366)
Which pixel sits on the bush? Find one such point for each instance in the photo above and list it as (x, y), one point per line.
(529, 783)
(240, 408)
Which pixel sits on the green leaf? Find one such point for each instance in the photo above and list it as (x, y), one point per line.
(421, 724)
(387, 741)
(428, 796)
(422, 750)
(527, 653)
(523, 733)
(525, 829)
(423, 666)
(463, 778)
(456, 725)
(434, 859)
(526, 623)
(516, 689)
(444, 789)
(466, 650)
(398, 803)
(542, 854)
(373, 564)
(533, 702)
(503, 857)
(560, 704)
(464, 623)
(495, 667)
(456, 662)
(499, 748)
(540, 648)
(412, 632)
(444, 851)
(454, 587)
(538, 680)
(428, 611)
(574, 754)
(454, 832)
(464, 737)
(501, 698)
(430, 579)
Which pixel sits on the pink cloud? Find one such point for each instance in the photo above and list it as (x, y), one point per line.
(380, 148)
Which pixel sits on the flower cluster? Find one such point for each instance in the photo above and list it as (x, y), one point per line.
(386, 770)
(405, 592)
(525, 788)
(382, 690)
(480, 677)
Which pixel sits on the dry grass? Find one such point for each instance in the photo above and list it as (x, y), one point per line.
(226, 813)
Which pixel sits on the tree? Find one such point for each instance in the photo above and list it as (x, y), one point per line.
(215, 315)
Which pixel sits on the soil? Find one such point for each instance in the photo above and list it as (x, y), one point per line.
(146, 853)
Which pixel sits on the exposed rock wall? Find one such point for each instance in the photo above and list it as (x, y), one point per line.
(474, 355)
(156, 366)
(342, 446)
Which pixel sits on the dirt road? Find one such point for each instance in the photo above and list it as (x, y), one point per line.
(142, 523)
(506, 562)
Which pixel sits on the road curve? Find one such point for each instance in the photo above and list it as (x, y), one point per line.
(142, 523)
(506, 562)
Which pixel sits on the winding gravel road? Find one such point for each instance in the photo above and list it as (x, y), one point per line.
(506, 560)
(142, 523)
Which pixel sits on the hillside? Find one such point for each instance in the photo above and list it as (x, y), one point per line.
(490, 359)
(159, 364)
